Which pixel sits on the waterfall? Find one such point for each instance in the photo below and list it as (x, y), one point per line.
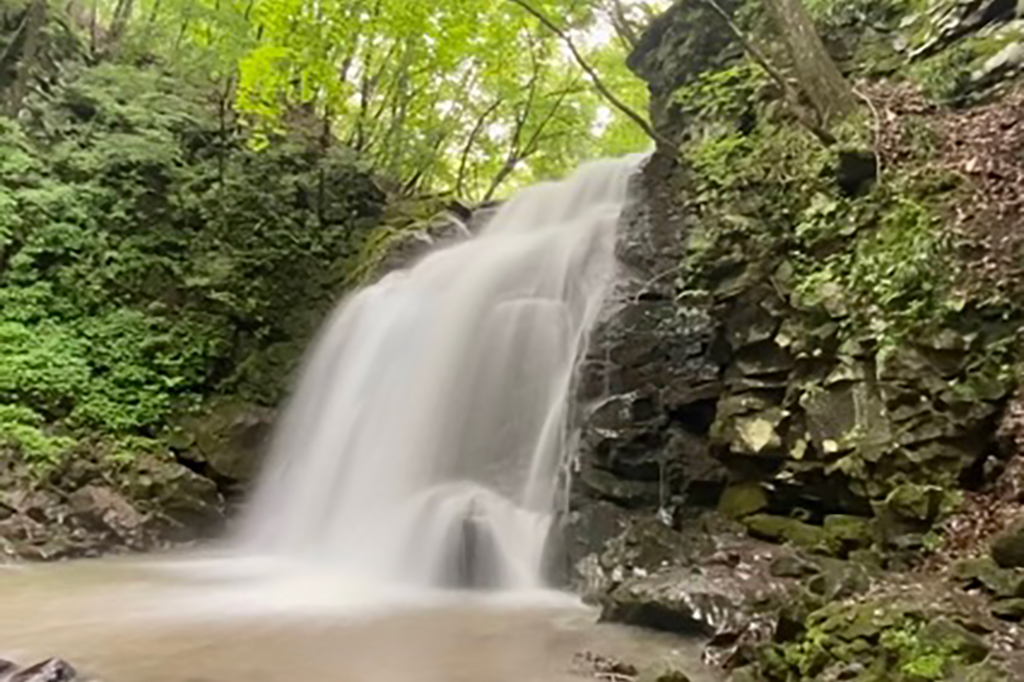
(424, 440)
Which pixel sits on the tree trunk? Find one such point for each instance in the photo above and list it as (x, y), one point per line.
(20, 57)
(819, 77)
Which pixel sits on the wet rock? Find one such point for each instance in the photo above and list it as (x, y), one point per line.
(747, 673)
(607, 486)
(755, 434)
(846, 416)
(1008, 546)
(840, 579)
(50, 670)
(792, 566)
(915, 502)
(761, 359)
(407, 246)
(952, 21)
(176, 495)
(680, 44)
(580, 533)
(676, 600)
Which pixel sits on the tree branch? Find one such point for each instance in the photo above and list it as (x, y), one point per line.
(461, 178)
(595, 78)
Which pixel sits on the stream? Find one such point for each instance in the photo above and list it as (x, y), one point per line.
(215, 619)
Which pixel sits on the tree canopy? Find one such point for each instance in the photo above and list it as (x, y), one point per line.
(467, 96)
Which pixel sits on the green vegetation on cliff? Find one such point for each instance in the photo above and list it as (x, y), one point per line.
(149, 257)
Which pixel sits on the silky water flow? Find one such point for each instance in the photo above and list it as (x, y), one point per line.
(424, 441)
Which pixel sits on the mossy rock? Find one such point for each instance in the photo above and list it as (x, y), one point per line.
(915, 502)
(793, 531)
(946, 634)
(1009, 609)
(852, 532)
(743, 499)
(1001, 582)
(1008, 547)
(792, 566)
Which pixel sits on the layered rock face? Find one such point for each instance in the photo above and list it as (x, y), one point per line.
(763, 447)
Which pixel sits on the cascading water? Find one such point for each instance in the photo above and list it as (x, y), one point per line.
(424, 440)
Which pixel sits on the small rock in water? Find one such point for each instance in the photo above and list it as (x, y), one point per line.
(662, 672)
(50, 670)
(603, 667)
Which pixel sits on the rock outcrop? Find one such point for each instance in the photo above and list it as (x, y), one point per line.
(94, 504)
(772, 366)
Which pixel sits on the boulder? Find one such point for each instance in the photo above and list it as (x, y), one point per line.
(605, 485)
(846, 416)
(852, 532)
(984, 571)
(174, 494)
(101, 508)
(792, 565)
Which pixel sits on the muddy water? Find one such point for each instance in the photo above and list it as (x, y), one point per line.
(217, 620)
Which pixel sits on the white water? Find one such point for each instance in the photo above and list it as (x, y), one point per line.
(424, 441)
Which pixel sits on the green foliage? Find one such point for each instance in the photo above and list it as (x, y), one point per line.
(21, 428)
(149, 256)
(897, 278)
(915, 656)
(889, 641)
(944, 77)
(880, 261)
